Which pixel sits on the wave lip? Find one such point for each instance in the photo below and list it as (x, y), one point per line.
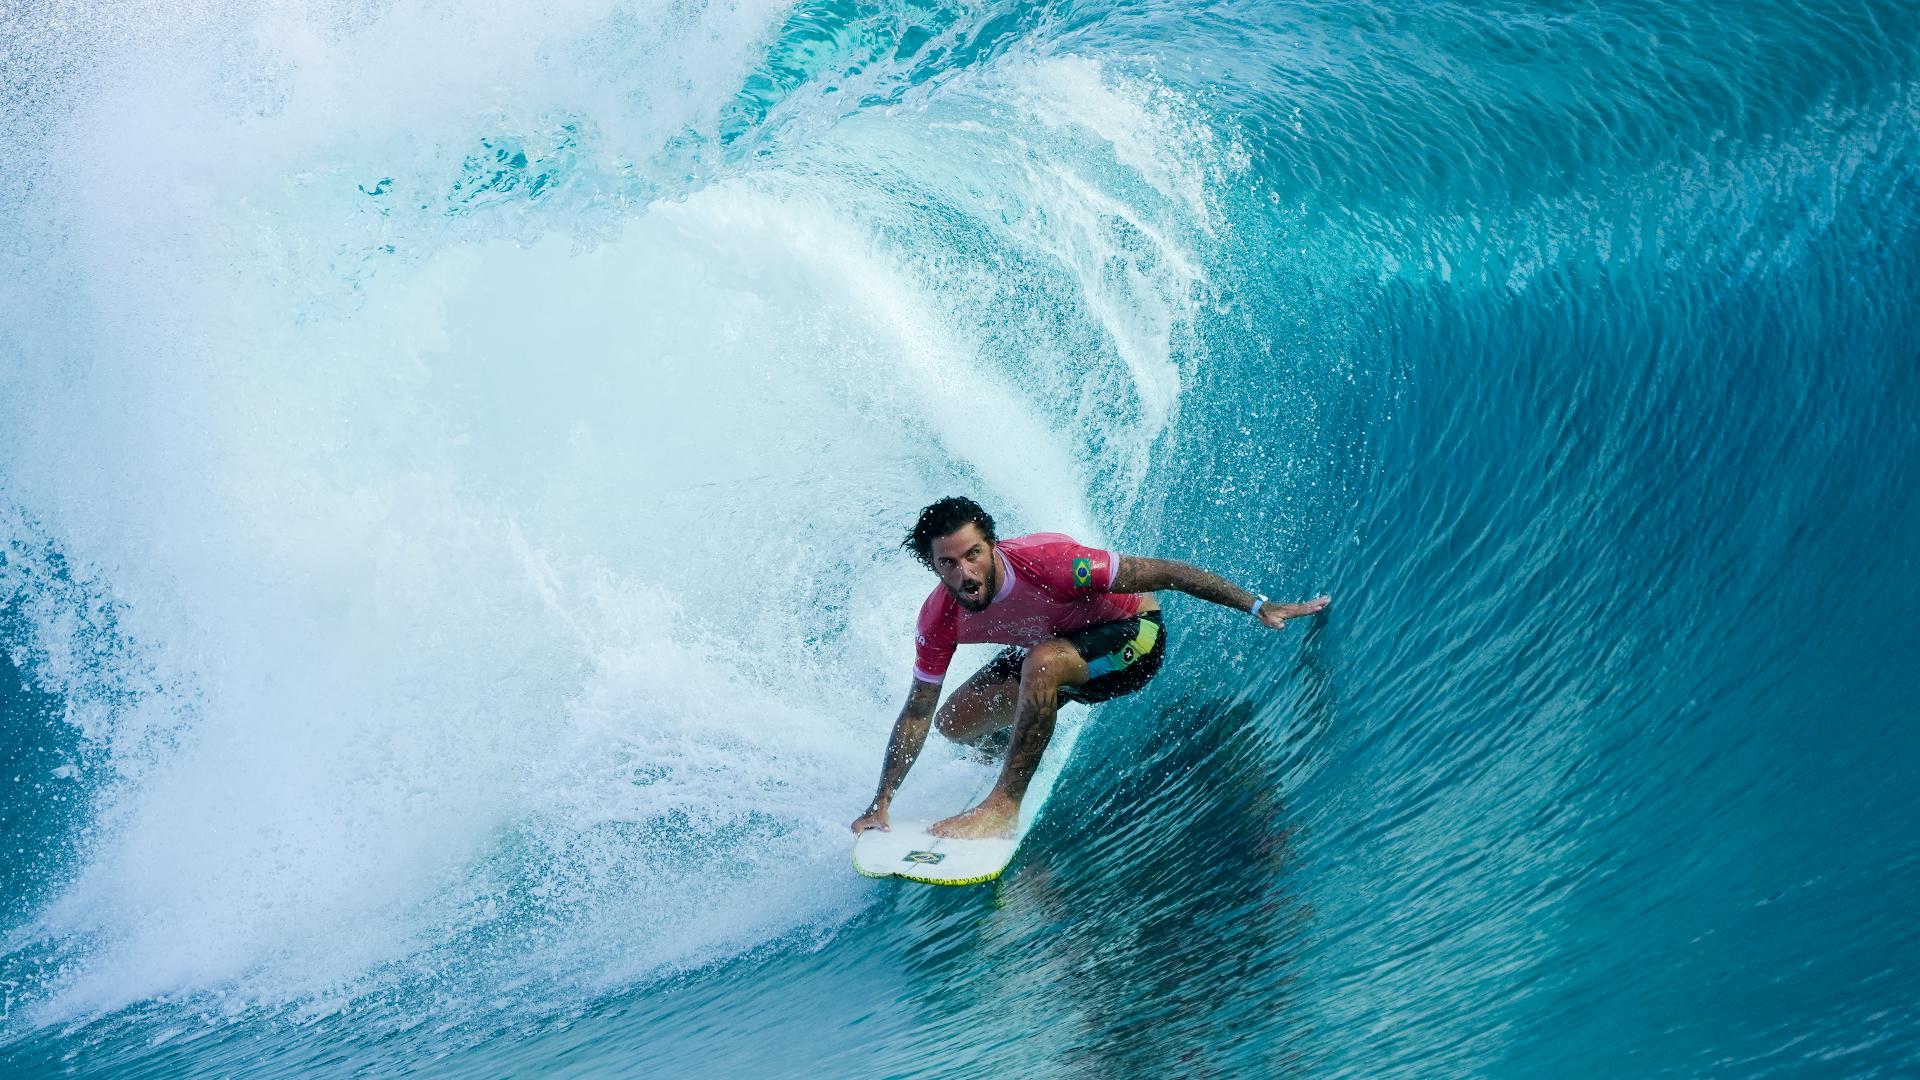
(481, 543)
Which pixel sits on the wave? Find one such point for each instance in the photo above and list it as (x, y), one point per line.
(479, 567)
(451, 467)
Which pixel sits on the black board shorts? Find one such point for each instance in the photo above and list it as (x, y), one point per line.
(1123, 657)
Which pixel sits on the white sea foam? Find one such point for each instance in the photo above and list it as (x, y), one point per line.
(538, 587)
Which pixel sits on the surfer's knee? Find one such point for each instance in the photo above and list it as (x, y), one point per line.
(1047, 662)
(958, 717)
(947, 721)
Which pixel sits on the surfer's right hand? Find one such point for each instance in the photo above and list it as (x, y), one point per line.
(874, 818)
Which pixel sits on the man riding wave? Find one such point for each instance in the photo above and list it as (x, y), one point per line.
(1080, 624)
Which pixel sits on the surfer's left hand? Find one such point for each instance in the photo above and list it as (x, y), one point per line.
(1276, 615)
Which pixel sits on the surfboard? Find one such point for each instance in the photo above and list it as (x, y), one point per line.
(909, 851)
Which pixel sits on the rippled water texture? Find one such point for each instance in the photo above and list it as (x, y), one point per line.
(451, 463)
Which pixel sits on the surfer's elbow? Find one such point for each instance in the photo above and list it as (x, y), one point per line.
(921, 700)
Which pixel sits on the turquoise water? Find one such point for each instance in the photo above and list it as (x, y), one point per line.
(451, 463)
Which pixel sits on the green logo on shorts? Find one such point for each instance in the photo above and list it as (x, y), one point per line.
(1083, 572)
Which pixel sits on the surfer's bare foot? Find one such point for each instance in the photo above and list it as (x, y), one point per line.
(995, 816)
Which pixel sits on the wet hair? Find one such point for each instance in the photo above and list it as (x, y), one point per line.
(942, 518)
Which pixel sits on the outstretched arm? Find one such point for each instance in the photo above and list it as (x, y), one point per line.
(1136, 574)
(903, 746)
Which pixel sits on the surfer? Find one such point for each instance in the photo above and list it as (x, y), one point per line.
(1080, 624)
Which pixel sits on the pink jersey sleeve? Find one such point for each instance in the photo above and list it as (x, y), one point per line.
(935, 638)
(1067, 568)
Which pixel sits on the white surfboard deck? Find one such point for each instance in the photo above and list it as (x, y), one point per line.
(909, 851)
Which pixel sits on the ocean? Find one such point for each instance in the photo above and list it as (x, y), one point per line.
(453, 461)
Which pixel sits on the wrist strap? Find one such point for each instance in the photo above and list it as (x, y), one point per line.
(1258, 603)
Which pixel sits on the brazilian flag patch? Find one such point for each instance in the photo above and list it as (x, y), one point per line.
(1083, 572)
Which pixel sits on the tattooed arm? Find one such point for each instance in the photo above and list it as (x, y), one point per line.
(1136, 574)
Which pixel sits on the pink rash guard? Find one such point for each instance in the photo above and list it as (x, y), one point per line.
(1052, 586)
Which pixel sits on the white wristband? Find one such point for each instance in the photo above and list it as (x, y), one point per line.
(1258, 603)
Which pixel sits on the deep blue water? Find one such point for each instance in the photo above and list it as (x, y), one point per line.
(451, 467)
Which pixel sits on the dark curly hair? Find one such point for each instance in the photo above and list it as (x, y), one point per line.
(942, 518)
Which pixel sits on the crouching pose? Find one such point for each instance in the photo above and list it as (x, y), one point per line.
(1080, 624)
